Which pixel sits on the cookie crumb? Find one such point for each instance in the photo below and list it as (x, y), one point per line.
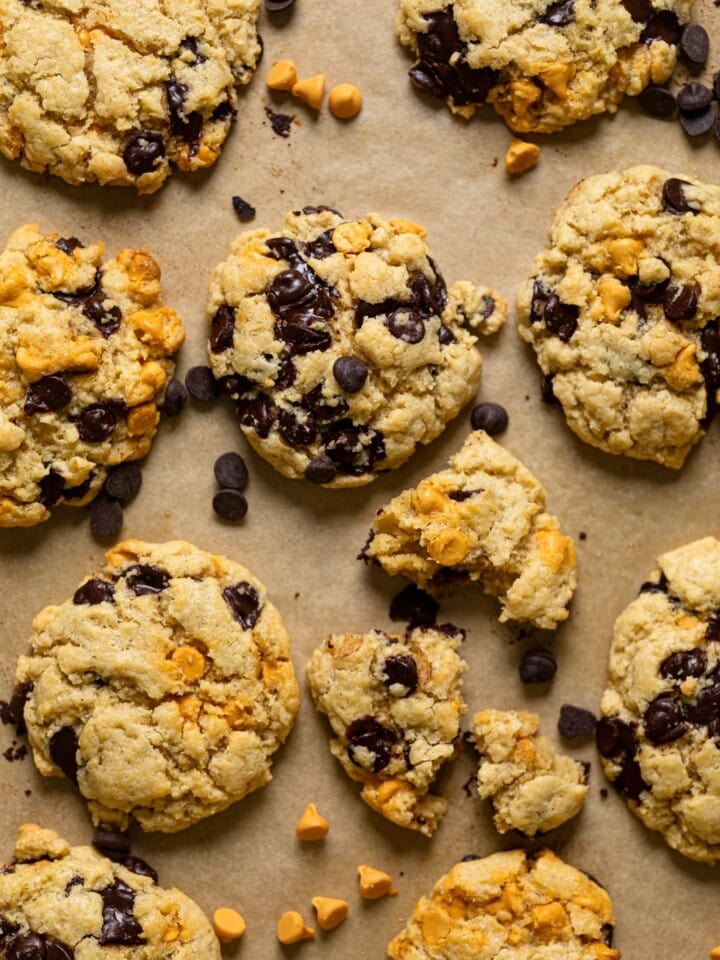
(345, 101)
(312, 826)
(244, 210)
(521, 156)
(280, 122)
(291, 928)
(374, 883)
(282, 75)
(311, 90)
(582, 535)
(228, 924)
(330, 912)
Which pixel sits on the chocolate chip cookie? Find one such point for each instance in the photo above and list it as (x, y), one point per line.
(659, 734)
(394, 704)
(59, 902)
(510, 905)
(86, 352)
(542, 65)
(622, 311)
(340, 345)
(161, 689)
(482, 520)
(120, 91)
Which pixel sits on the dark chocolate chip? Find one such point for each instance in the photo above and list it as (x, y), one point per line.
(490, 417)
(414, 605)
(712, 628)
(639, 10)
(401, 671)
(680, 301)
(684, 664)
(51, 488)
(710, 365)
(281, 123)
(224, 110)
(286, 374)
(695, 44)
(277, 6)
(78, 492)
(445, 335)
(201, 384)
(658, 101)
(47, 395)
(230, 504)
(107, 320)
(460, 495)
(629, 782)
(537, 665)
(143, 153)
(321, 470)
(76, 881)
(297, 429)
(322, 246)
(94, 591)
(119, 926)
(27, 946)
(175, 398)
(694, 97)
(547, 392)
(230, 471)
(351, 373)
(368, 734)
(63, 752)
(673, 197)
(106, 517)
(655, 586)
(662, 25)
(244, 210)
(576, 723)
(244, 603)
(664, 720)
(192, 46)
(96, 422)
(68, 244)
(559, 14)
(143, 578)
(124, 481)
(561, 318)
(222, 328)
(143, 869)
(406, 326)
(442, 69)
(16, 707)
(613, 737)
(257, 412)
(113, 844)
(706, 711)
(183, 124)
(698, 124)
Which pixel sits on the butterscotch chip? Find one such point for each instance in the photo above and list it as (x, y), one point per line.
(374, 883)
(228, 924)
(521, 156)
(291, 928)
(311, 825)
(282, 75)
(345, 101)
(311, 90)
(330, 911)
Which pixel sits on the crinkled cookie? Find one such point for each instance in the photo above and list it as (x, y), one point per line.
(120, 91)
(59, 902)
(510, 906)
(623, 311)
(86, 352)
(532, 788)
(340, 345)
(541, 65)
(659, 735)
(481, 520)
(394, 704)
(161, 689)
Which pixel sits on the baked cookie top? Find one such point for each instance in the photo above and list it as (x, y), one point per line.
(510, 906)
(394, 704)
(542, 65)
(86, 352)
(622, 310)
(340, 345)
(120, 91)
(481, 520)
(162, 688)
(659, 735)
(58, 902)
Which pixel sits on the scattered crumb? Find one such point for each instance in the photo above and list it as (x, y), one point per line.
(280, 122)
(244, 210)
(582, 535)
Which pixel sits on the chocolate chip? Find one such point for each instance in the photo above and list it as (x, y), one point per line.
(629, 782)
(119, 925)
(143, 153)
(51, 488)
(27, 946)
(321, 470)
(710, 365)
(698, 124)
(96, 422)
(560, 318)
(460, 495)
(575, 723)
(369, 735)
(183, 124)
(658, 101)
(712, 627)
(695, 44)
(222, 328)
(694, 97)
(124, 481)
(286, 374)
(277, 6)
(107, 320)
(244, 210)
(63, 752)
(400, 671)
(68, 244)
(490, 417)
(673, 197)
(664, 720)
(445, 335)
(351, 373)
(639, 10)
(257, 412)
(143, 869)
(281, 123)
(94, 591)
(322, 246)
(47, 395)
(297, 427)
(613, 736)
(244, 602)
(537, 665)
(230, 504)
(706, 712)
(289, 287)
(442, 69)
(684, 664)
(662, 25)
(76, 881)
(143, 578)
(230, 471)
(113, 844)
(547, 392)
(655, 586)
(106, 517)
(680, 301)
(191, 45)
(201, 384)
(175, 398)
(16, 707)
(414, 605)
(559, 14)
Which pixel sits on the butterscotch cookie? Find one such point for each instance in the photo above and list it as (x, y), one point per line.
(162, 688)
(394, 704)
(541, 65)
(340, 345)
(532, 788)
(658, 734)
(481, 520)
(59, 902)
(120, 91)
(510, 906)
(622, 311)
(86, 352)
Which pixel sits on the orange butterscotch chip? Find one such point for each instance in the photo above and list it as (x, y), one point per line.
(228, 924)
(345, 101)
(282, 75)
(311, 91)
(291, 928)
(375, 883)
(311, 825)
(330, 911)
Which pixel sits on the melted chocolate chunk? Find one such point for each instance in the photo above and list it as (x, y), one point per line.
(706, 712)
(143, 869)
(442, 69)
(712, 628)
(51, 488)
(673, 197)
(445, 335)
(684, 664)
(639, 10)
(244, 602)
(629, 782)
(143, 153)
(680, 301)
(183, 124)
(368, 734)
(710, 365)
(77, 296)
(286, 374)
(400, 671)
(222, 328)
(537, 665)
(73, 882)
(120, 927)
(406, 319)
(144, 578)
(63, 752)
(575, 723)
(662, 25)
(47, 395)
(655, 586)
(68, 244)
(613, 737)
(257, 412)
(560, 318)
(322, 246)
(16, 707)
(191, 44)
(321, 470)
(351, 373)
(559, 14)
(106, 320)
(321, 409)
(414, 605)
(298, 431)
(93, 592)
(114, 844)
(302, 304)
(96, 422)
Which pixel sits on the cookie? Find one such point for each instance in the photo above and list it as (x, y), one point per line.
(483, 521)
(541, 65)
(340, 345)
(394, 704)
(122, 91)
(510, 906)
(58, 902)
(622, 311)
(161, 689)
(86, 352)
(659, 733)
(532, 788)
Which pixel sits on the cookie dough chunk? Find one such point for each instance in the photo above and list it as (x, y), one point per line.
(162, 688)
(510, 906)
(541, 65)
(58, 902)
(622, 311)
(119, 91)
(532, 788)
(481, 520)
(340, 345)
(86, 352)
(394, 704)
(659, 734)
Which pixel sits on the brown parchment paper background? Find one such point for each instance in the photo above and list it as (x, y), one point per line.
(405, 155)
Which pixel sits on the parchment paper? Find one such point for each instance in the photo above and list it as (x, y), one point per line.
(405, 155)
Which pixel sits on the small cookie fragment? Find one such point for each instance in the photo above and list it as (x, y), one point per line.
(330, 912)
(513, 905)
(394, 704)
(228, 924)
(311, 825)
(481, 520)
(374, 884)
(345, 101)
(532, 788)
(291, 928)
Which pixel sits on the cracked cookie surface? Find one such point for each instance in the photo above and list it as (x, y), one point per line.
(622, 311)
(86, 350)
(394, 704)
(541, 65)
(59, 902)
(510, 906)
(162, 688)
(659, 734)
(481, 520)
(120, 91)
(340, 344)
